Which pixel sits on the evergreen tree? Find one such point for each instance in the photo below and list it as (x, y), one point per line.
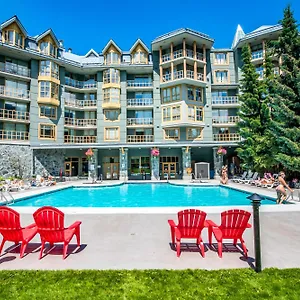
(254, 149)
(285, 96)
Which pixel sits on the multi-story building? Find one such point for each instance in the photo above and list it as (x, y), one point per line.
(180, 97)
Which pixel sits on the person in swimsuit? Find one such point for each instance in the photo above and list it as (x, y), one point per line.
(280, 189)
(224, 175)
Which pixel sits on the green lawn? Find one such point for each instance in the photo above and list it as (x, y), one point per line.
(151, 284)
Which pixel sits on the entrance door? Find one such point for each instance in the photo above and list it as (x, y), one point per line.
(111, 170)
(68, 168)
(169, 170)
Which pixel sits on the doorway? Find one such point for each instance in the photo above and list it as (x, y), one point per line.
(169, 170)
(71, 166)
(111, 168)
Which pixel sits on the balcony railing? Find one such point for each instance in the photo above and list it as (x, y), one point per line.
(140, 102)
(225, 100)
(178, 53)
(14, 69)
(80, 84)
(140, 138)
(80, 103)
(139, 121)
(179, 75)
(257, 54)
(80, 139)
(225, 119)
(227, 137)
(166, 57)
(166, 77)
(80, 122)
(14, 135)
(6, 114)
(14, 93)
(134, 83)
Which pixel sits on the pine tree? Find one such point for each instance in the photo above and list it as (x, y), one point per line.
(254, 149)
(285, 96)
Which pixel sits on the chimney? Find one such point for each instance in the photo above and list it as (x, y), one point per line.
(70, 50)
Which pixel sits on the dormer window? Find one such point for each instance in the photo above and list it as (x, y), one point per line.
(47, 48)
(139, 57)
(112, 58)
(13, 38)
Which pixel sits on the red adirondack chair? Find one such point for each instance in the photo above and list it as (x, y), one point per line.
(50, 226)
(233, 224)
(190, 225)
(11, 229)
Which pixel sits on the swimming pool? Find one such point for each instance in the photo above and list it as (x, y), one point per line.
(141, 195)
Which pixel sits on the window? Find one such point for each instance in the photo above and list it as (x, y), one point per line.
(194, 94)
(111, 134)
(171, 113)
(47, 48)
(195, 113)
(112, 58)
(111, 115)
(139, 57)
(140, 165)
(221, 58)
(111, 95)
(175, 93)
(194, 133)
(221, 76)
(260, 71)
(14, 38)
(48, 111)
(47, 131)
(48, 89)
(171, 94)
(172, 134)
(166, 95)
(111, 76)
(48, 68)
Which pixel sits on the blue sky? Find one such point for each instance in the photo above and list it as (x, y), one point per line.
(91, 24)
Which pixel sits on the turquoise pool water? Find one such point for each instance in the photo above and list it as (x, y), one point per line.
(141, 195)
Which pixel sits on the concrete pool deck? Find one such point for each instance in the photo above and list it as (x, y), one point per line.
(140, 239)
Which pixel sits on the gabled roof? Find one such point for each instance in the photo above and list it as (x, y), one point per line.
(111, 42)
(92, 53)
(48, 32)
(12, 20)
(139, 41)
(238, 35)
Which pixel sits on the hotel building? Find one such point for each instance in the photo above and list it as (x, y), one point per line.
(180, 96)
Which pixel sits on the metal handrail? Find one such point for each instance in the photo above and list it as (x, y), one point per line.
(3, 196)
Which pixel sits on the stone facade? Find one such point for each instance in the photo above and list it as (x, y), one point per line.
(15, 160)
(49, 161)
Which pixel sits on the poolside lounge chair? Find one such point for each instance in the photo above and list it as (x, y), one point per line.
(12, 231)
(241, 177)
(50, 226)
(248, 177)
(190, 225)
(272, 184)
(233, 224)
(253, 179)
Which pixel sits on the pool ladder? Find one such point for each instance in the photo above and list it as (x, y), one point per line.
(2, 196)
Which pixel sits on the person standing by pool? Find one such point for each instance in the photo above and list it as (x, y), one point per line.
(224, 175)
(280, 189)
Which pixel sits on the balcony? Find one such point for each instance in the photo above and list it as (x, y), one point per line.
(13, 115)
(225, 101)
(14, 93)
(179, 54)
(228, 120)
(140, 138)
(166, 57)
(139, 84)
(140, 102)
(227, 137)
(179, 75)
(80, 122)
(14, 69)
(8, 135)
(80, 103)
(72, 139)
(80, 84)
(257, 55)
(139, 121)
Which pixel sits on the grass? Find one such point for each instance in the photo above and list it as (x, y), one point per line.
(151, 284)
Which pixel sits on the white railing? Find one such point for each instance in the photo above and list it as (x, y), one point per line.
(14, 135)
(200, 76)
(178, 74)
(224, 100)
(199, 56)
(167, 77)
(134, 83)
(257, 54)
(80, 103)
(140, 138)
(225, 119)
(227, 137)
(139, 121)
(14, 115)
(166, 57)
(80, 84)
(189, 53)
(190, 74)
(140, 102)
(14, 69)
(178, 53)
(14, 93)
(80, 122)
(80, 139)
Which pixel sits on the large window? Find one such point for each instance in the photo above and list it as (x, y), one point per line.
(111, 115)
(48, 111)
(139, 58)
(221, 76)
(47, 131)
(111, 76)
(194, 94)
(195, 113)
(112, 58)
(48, 68)
(140, 165)
(171, 94)
(171, 113)
(48, 89)
(14, 38)
(193, 133)
(221, 58)
(111, 95)
(47, 48)
(111, 133)
(172, 134)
